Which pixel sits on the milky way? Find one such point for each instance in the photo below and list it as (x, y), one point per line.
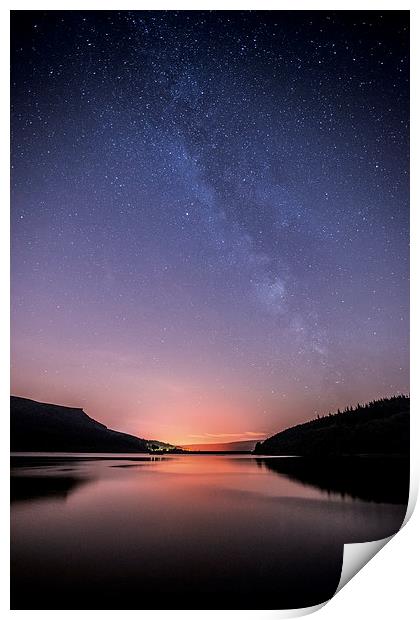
(209, 215)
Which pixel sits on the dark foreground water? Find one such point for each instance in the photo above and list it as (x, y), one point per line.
(193, 531)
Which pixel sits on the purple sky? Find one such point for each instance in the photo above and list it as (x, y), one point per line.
(209, 216)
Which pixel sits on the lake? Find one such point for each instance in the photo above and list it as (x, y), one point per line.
(192, 531)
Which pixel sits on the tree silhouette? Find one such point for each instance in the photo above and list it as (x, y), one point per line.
(378, 427)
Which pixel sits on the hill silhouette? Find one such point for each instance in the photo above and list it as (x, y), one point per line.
(232, 446)
(39, 427)
(379, 427)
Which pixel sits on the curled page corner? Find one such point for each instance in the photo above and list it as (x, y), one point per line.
(297, 613)
(357, 555)
(304, 611)
(263, 614)
(412, 499)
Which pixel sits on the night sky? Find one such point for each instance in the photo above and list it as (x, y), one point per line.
(210, 216)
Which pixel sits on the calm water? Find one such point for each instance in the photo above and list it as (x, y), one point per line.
(189, 531)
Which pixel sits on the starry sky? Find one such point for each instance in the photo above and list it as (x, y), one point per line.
(210, 216)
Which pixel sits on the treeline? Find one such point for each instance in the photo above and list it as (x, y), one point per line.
(378, 427)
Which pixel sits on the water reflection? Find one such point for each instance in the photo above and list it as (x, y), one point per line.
(33, 488)
(185, 532)
(376, 479)
(38, 477)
